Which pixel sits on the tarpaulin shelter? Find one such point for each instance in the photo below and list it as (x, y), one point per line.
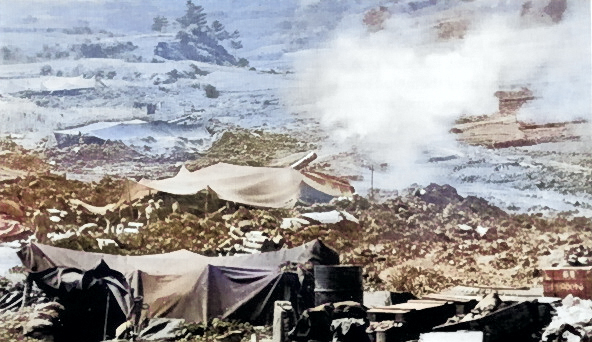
(256, 186)
(131, 132)
(53, 85)
(194, 287)
(96, 301)
(265, 187)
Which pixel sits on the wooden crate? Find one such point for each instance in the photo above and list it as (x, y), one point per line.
(512, 322)
(559, 282)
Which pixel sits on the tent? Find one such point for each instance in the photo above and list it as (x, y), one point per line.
(266, 187)
(47, 85)
(136, 132)
(101, 295)
(197, 288)
(256, 186)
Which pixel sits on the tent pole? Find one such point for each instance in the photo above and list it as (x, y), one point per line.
(372, 182)
(26, 292)
(106, 316)
(206, 203)
(129, 198)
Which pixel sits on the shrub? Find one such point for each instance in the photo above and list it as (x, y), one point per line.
(419, 281)
(198, 71)
(46, 70)
(211, 91)
(243, 63)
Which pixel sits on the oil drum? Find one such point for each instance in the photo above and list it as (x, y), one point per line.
(338, 283)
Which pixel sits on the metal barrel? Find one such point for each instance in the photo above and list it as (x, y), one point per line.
(337, 284)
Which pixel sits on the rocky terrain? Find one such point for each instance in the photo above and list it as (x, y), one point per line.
(504, 197)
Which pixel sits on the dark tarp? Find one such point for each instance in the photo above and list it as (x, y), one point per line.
(97, 301)
(187, 285)
(316, 323)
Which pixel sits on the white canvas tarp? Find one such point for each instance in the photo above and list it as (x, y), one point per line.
(264, 187)
(256, 186)
(46, 83)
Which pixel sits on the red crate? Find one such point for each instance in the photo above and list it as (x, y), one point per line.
(559, 282)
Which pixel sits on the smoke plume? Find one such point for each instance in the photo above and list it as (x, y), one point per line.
(395, 93)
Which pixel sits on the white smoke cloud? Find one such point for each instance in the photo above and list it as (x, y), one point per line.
(560, 68)
(395, 93)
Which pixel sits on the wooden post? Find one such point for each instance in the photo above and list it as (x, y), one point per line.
(106, 315)
(372, 182)
(26, 292)
(129, 198)
(280, 313)
(206, 203)
(302, 163)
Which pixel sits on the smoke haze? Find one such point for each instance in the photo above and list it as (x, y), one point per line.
(395, 93)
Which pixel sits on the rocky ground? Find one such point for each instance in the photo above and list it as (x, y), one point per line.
(422, 239)
(431, 229)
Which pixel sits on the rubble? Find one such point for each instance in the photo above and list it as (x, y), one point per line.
(579, 256)
(253, 148)
(486, 306)
(418, 227)
(15, 157)
(393, 232)
(419, 281)
(43, 319)
(571, 321)
(19, 320)
(421, 240)
(92, 155)
(221, 330)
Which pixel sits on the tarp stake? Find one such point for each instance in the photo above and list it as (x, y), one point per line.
(371, 182)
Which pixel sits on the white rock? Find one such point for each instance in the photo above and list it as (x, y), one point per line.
(481, 230)
(60, 236)
(36, 325)
(86, 226)
(106, 242)
(464, 227)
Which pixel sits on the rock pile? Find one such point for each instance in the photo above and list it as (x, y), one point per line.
(571, 321)
(219, 330)
(43, 320)
(16, 157)
(18, 322)
(579, 256)
(92, 155)
(252, 148)
(431, 230)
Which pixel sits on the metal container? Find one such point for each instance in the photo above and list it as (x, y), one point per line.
(559, 282)
(337, 284)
